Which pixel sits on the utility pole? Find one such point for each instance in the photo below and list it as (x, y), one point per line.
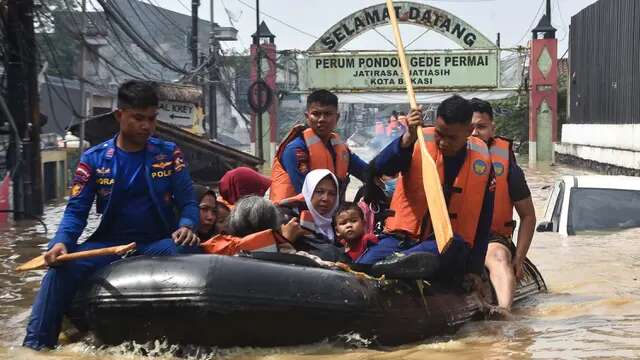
(194, 33)
(213, 79)
(259, 152)
(23, 104)
(83, 72)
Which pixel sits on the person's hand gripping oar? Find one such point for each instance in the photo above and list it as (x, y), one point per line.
(40, 261)
(430, 179)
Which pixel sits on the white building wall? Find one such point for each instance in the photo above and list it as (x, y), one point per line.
(617, 145)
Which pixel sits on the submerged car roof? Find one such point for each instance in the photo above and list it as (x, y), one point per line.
(604, 182)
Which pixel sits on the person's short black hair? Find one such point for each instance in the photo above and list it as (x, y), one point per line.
(137, 94)
(455, 110)
(322, 97)
(482, 106)
(200, 191)
(348, 206)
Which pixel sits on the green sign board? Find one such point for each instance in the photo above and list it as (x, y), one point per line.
(381, 71)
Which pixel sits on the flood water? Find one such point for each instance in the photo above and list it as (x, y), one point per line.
(592, 309)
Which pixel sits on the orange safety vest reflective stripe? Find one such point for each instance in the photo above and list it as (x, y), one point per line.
(319, 158)
(467, 194)
(502, 223)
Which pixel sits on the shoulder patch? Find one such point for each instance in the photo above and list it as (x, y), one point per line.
(178, 160)
(479, 167)
(302, 161)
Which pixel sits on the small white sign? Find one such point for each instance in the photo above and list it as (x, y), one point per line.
(177, 113)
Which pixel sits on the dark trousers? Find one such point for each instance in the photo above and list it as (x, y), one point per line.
(453, 262)
(60, 284)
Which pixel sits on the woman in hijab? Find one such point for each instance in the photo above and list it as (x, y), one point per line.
(317, 204)
(241, 182)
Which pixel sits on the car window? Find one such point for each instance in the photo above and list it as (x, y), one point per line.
(602, 209)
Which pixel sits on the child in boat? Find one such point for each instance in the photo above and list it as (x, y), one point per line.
(350, 230)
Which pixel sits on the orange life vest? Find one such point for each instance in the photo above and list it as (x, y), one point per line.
(319, 158)
(465, 203)
(502, 223)
(230, 245)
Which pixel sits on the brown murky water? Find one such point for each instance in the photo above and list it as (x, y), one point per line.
(591, 311)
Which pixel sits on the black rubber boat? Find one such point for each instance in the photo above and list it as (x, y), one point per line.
(226, 301)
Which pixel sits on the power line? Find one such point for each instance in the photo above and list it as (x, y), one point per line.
(532, 22)
(280, 21)
(565, 28)
(116, 14)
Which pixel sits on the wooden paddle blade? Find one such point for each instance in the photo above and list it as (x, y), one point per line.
(39, 262)
(430, 178)
(33, 264)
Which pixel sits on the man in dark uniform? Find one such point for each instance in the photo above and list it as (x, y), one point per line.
(137, 182)
(504, 260)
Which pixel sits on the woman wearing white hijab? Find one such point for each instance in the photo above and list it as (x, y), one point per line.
(315, 233)
(320, 191)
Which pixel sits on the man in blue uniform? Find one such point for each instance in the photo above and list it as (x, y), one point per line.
(137, 181)
(301, 151)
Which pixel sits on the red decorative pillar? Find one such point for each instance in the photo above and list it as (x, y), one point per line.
(543, 95)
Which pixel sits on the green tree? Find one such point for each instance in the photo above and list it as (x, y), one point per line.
(512, 120)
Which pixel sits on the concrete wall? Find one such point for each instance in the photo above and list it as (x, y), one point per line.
(601, 145)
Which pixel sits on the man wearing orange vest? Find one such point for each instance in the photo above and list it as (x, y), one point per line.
(465, 171)
(504, 260)
(315, 146)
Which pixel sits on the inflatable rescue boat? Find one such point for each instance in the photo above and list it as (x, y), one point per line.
(268, 300)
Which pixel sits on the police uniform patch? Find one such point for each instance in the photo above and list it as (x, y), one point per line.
(103, 171)
(178, 160)
(161, 165)
(76, 189)
(498, 168)
(479, 167)
(302, 161)
(83, 173)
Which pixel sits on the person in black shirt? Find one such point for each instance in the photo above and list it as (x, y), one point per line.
(504, 260)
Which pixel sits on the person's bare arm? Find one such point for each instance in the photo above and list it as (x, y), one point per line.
(527, 215)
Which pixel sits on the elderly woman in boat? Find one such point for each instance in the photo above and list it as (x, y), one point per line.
(303, 223)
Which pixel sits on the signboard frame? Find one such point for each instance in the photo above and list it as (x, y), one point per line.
(379, 71)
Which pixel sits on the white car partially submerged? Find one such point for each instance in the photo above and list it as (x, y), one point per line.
(592, 202)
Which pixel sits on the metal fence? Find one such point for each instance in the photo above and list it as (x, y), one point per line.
(604, 56)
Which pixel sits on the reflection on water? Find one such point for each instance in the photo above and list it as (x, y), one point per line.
(591, 311)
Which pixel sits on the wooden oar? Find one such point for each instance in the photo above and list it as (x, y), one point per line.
(430, 179)
(38, 262)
